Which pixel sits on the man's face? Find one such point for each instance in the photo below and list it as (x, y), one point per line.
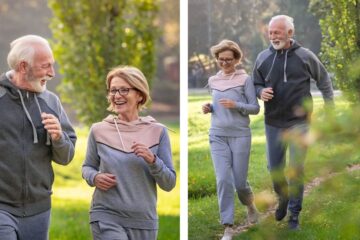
(42, 69)
(278, 36)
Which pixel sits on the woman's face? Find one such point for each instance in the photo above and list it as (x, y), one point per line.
(226, 61)
(124, 98)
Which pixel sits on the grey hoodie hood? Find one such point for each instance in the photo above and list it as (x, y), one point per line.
(293, 47)
(121, 135)
(6, 86)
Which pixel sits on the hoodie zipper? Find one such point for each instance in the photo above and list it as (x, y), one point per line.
(24, 182)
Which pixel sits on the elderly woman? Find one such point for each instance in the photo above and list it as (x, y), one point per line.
(233, 99)
(127, 156)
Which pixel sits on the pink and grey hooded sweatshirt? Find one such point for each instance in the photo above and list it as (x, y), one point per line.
(132, 202)
(239, 88)
(26, 150)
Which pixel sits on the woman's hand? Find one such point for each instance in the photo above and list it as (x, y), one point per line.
(105, 181)
(141, 150)
(206, 108)
(227, 103)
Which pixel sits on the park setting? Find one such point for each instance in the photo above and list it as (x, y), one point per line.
(88, 39)
(332, 165)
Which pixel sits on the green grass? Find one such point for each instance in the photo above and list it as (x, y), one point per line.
(326, 215)
(72, 196)
(323, 157)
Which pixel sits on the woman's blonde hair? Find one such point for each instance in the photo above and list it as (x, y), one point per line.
(135, 78)
(225, 45)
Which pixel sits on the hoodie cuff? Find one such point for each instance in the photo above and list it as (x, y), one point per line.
(91, 180)
(258, 92)
(156, 166)
(60, 142)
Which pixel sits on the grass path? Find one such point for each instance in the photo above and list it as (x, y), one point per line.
(307, 190)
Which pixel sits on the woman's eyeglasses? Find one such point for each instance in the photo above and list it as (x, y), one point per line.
(225, 60)
(121, 91)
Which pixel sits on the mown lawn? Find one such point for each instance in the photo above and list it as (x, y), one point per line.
(322, 159)
(72, 196)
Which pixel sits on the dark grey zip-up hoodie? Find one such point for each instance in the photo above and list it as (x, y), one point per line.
(289, 72)
(26, 152)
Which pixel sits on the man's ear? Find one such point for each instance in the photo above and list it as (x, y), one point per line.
(23, 67)
(290, 33)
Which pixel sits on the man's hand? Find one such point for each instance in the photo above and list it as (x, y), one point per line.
(52, 125)
(267, 94)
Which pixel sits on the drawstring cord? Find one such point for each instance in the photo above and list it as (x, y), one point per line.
(285, 64)
(47, 133)
(117, 128)
(272, 65)
(28, 117)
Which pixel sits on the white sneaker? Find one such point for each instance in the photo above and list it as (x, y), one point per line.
(228, 233)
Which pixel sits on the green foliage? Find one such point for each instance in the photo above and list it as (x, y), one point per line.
(90, 38)
(340, 24)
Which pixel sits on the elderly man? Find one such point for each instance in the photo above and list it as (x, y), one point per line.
(34, 132)
(282, 75)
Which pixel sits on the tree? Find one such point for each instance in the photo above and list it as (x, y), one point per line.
(211, 21)
(340, 24)
(90, 38)
(244, 22)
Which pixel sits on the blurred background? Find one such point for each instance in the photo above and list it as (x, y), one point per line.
(18, 17)
(331, 29)
(88, 39)
(244, 22)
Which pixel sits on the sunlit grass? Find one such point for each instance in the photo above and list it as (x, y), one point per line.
(203, 207)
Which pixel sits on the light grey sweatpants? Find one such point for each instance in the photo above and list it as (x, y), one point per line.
(24, 228)
(112, 231)
(230, 156)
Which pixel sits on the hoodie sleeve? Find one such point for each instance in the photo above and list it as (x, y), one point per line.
(321, 77)
(162, 170)
(91, 164)
(252, 105)
(63, 150)
(257, 79)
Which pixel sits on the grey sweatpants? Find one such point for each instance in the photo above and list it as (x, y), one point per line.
(230, 156)
(293, 187)
(112, 231)
(24, 228)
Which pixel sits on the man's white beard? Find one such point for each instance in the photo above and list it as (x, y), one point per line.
(279, 46)
(36, 82)
(36, 85)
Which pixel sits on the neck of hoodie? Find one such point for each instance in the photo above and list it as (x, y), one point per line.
(19, 82)
(130, 117)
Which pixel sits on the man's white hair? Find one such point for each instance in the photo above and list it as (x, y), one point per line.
(289, 21)
(23, 49)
